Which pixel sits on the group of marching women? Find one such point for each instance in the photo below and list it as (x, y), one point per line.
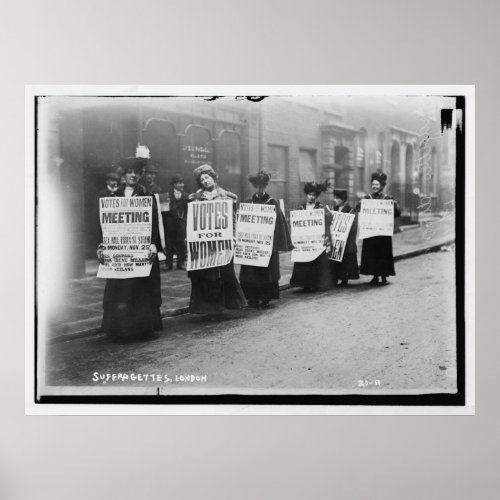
(132, 306)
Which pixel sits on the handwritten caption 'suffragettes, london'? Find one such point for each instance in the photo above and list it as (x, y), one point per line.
(189, 378)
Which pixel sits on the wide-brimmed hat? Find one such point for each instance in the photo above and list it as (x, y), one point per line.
(260, 179)
(314, 187)
(132, 163)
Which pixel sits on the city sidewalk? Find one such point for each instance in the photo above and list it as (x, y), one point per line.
(81, 311)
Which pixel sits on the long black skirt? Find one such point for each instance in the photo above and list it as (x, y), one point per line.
(314, 275)
(376, 256)
(214, 290)
(348, 269)
(261, 283)
(131, 307)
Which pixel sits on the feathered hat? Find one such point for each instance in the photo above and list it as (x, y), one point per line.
(137, 162)
(381, 177)
(132, 163)
(314, 187)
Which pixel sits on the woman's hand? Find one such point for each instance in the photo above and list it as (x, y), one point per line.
(153, 252)
(329, 209)
(100, 253)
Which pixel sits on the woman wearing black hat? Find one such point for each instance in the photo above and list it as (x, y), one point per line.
(376, 255)
(347, 269)
(132, 306)
(216, 288)
(314, 275)
(261, 284)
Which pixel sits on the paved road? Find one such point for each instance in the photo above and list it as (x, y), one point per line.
(360, 339)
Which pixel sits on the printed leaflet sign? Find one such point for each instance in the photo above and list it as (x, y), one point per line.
(308, 231)
(209, 234)
(339, 231)
(376, 218)
(126, 236)
(254, 234)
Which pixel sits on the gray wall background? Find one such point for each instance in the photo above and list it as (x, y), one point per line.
(272, 41)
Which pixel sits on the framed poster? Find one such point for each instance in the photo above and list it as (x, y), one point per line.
(385, 337)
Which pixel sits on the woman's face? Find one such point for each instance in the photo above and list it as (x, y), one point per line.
(376, 187)
(338, 201)
(207, 181)
(260, 190)
(131, 177)
(311, 197)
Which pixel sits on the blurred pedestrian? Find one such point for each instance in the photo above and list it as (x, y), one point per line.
(149, 178)
(112, 180)
(109, 190)
(314, 275)
(174, 221)
(376, 255)
(261, 284)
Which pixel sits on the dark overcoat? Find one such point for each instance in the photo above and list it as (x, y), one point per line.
(216, 288)
(314, 275)
(262, 283)
(132, 306)
(376, 255)
(174, 223)
(348, 269)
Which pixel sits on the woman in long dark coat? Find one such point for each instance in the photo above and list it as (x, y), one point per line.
(261, 284)
(314, 275)
(214, 289)
(347, 269)
(132, 306)
(376, 256)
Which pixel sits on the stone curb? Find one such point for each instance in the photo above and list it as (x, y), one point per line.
(65, 337)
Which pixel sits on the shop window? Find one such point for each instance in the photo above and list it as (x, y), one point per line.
(341, 156)
(307, 166)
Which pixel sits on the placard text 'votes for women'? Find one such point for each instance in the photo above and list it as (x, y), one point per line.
(126, 236)
(339, 231)
(209, 234)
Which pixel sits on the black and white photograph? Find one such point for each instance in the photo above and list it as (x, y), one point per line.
(260, 250)
(302, 246)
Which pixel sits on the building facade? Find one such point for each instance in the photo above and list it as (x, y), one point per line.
(297, 139)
